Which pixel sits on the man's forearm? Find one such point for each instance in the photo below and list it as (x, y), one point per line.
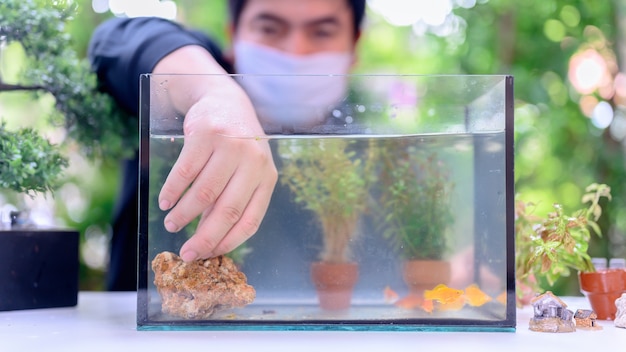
(201, 78)
(121, 49)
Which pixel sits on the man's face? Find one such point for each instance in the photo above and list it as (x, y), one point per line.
(298, 27)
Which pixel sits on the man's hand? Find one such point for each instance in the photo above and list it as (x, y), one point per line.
(225, 173)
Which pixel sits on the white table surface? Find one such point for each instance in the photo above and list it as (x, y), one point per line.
(105, 321)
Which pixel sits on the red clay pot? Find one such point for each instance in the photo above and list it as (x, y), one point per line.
(421, 275)
(602, 288)
(334, 283)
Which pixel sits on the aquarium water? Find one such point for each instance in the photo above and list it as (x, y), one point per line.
(464, 158)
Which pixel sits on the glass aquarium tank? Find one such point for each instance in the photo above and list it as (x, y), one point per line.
(393, 209)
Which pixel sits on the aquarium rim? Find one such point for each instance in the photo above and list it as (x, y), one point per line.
(349, 75)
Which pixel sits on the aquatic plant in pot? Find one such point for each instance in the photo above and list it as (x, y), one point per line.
(552, 247)
(39, 267)
(331, 180)
(416, 208)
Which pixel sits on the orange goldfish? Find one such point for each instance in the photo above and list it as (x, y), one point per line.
(428, 306)
(443, 294)
(502, 298)
(390, 295)
(409, 302)
(413, 301)
(455, 304)
(475, 296)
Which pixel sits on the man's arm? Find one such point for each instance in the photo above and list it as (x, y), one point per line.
(121, 49)
(224, 173)
(230, 171)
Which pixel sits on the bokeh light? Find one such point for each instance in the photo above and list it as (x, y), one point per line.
(587, 104)
(426, 16)
(570, 16)
(602, 115)
(588, 71)
(403, 13)
(95, 249)
(620, 89)
(136, 8)
(554, 30)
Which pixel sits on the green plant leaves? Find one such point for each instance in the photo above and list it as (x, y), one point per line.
(415, 201)
(28, 162)
(91, 118)
(328, 177)
(551, 247)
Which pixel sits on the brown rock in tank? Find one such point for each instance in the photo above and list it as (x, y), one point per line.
(196, 290)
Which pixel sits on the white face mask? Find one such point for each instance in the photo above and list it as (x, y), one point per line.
(285, 98)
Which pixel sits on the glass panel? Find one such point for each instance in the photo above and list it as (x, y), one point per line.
(385, 173)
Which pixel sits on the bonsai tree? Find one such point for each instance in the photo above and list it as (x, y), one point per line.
(415, 200)
(330, 179)
(28, 162)
(91, 118)
(549, 248)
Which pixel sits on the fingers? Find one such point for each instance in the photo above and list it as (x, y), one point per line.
(203, 192)
(191, 161)
(232, 192)
(252, 217)
(226, 179)
(221, 218)
(231, 222)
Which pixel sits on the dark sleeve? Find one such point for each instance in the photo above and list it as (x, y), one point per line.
(121, 49)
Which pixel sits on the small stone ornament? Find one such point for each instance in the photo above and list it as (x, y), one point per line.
(620, 317)
(586, 319)
(551, 314)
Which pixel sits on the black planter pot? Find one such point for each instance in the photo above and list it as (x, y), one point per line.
(38, 269)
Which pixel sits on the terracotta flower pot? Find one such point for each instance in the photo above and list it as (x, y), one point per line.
(421, 275)
(334, 283)
(602, 288)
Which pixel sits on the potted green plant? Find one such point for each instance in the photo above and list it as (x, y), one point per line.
(416, 208)
(39, 267)
(329, 177)
(552, 247)
(29, 163)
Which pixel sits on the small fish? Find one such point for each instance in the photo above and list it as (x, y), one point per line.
(409, 302)
(390, 295)
(428, 306)
(475, 297)
(502, 298)
(454, 305)
(443, 294)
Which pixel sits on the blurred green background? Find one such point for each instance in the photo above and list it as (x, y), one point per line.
(568, 59)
